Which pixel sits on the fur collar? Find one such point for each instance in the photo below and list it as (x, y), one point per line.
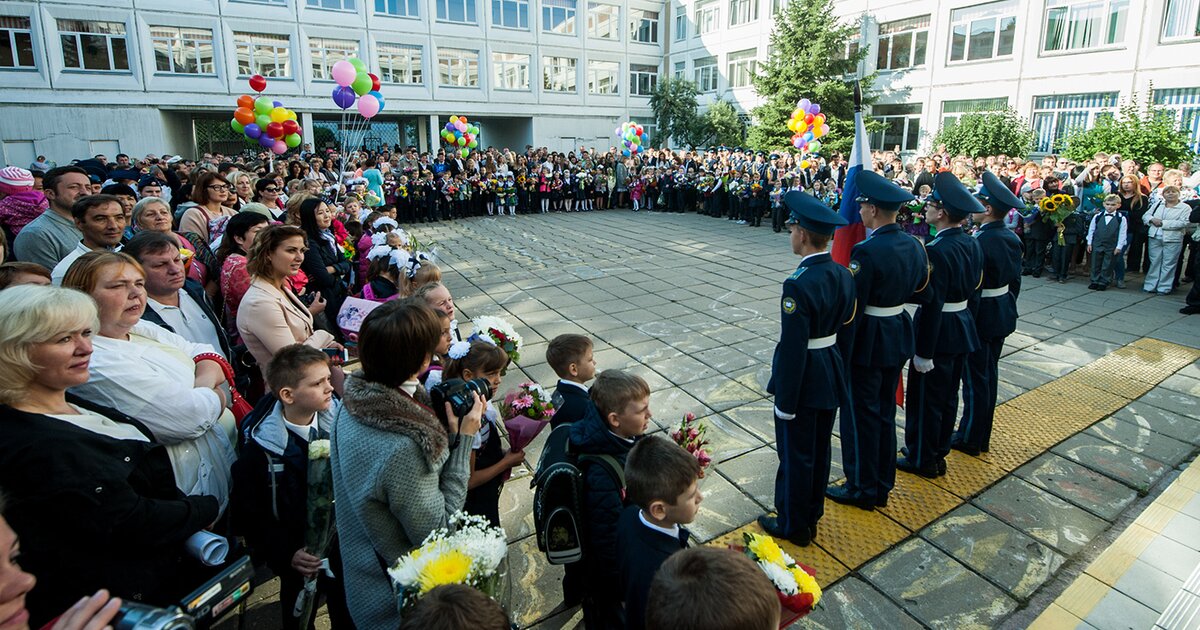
(391, 409)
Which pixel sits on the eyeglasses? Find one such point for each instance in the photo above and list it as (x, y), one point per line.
(270, 189)
(219, 187)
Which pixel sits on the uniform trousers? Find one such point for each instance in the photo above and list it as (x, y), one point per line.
(803, 445)
(931, 410)
(868, 432)
(980, 378)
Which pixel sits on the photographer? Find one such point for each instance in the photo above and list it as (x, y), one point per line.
(399, 471)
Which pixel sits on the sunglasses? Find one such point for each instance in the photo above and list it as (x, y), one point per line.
(270, 189)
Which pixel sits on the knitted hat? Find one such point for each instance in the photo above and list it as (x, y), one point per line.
(16, 176)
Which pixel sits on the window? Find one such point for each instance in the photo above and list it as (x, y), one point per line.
(93, 45)
(511, 71)
(643, 26)
(983, 31)
(1056, 116)
(458, 67)
(680, 69)
(326, 52)
(601, 76)
(558, 74)
(398, 8)
(266, 1)
(558, 16)
(953, 110)
(706, 18)
(16, 42)
(742, 65)
(333, 5)
(510, 13)
(1181, 20)
(742, 11)
(603, 21)
(902, 43)
(261, 53)
(1084, 24)
(1184, 106)
(182, 50)
(705, 74)
(681, 25)
(642, 79)
(903, 127)
(461, 11)
(399, 64)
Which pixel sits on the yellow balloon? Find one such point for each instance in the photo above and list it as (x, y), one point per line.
(278, 115)
(816, 132)
(291, 115)
(803, 163)
(454, 119)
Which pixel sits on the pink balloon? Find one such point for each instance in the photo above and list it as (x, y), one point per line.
(280, 147)
(344, 73)
(368, 106)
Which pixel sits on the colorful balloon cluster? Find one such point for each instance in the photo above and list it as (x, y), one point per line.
(353, 81)
(631, 137)
(460, 135)
(807, 123)
(266, 121)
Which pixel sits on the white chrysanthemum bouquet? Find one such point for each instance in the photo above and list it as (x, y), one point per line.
(470, 552)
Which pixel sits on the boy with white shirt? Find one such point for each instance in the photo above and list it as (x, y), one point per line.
(1105, 242)
(570, 356)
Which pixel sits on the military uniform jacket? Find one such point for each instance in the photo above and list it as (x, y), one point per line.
(996, 317)
(889, 267)
(955, 268)
(817, 301)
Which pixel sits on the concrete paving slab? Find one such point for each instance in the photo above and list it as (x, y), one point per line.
(721, 392)
(1148, 585)
(1041, 515)
(1117, 611)
(1132, 469)
(724, 509)
(754, 473)
(852, 604)
(1078, 484)
(1163, 421)
(1142, 441)
(1173, 401)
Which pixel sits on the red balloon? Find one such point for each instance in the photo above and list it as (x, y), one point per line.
(808, 118)
(246, 101)
(289, 127)
(299, 129)
(374, 82)
(275, 130)
(258, 83)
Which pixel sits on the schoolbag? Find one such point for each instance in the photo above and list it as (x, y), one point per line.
(558, 496)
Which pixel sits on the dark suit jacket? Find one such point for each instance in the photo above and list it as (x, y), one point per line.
(957, 270)
(641, 551)
(571, 404)
(196, 292)
(996, 317)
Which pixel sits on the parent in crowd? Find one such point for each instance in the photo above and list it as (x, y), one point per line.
(154, 214)
(398, 471)
(155, 376)
(53, 235)
(213, 197)
(90, 493)
(1134, 205)
(266, 192)
(21, 203)
(18, 273)
(235, 279)
(1167, 220)
(101, 221)
(328, 272)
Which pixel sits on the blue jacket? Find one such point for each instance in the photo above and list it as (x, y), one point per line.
(643, 550)
(571, 404)
(956, 268)
(603, 500)
(996, 317)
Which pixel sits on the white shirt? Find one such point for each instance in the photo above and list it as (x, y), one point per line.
(60, 270)
(102, 425)
(189, 321)
(673, 532)
(302, 431)
(579, 385)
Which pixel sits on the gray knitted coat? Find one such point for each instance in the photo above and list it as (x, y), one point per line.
(396, 479)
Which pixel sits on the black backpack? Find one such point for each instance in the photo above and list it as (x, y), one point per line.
(558, 496)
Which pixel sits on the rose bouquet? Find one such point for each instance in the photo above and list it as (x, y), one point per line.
(469, 552)
(500, 333)
(796, 584)
(691, 436)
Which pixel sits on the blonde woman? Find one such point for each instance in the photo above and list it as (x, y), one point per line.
(1167, 221)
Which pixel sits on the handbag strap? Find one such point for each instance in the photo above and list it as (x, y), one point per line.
(219, 360)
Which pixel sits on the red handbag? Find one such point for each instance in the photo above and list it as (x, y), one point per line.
(240, 407)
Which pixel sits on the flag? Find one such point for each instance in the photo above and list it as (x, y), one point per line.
(850, 235)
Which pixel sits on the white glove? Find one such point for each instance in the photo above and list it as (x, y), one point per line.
(922, 364)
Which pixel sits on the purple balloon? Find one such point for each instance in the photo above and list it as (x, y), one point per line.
(816, 109)
(343, 96)
(253, 131)
(266, 141)
(277, 103)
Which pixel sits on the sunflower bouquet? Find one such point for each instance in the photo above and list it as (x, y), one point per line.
(468, 552)
(795, 584)
(1056, 208)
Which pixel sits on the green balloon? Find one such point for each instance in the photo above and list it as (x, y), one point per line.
(292, 140)
(472, 144)
(362, 83)
(237, 126)
(262, 120)
(358, 65)
(264, 105)
(464, 152)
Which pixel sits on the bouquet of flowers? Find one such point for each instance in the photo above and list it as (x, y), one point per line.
(795, 584)
(451, 191)
(1057, 208)
(469, 552)
(691, 437)
(402, 191)
(320, 523)
(499, 332)
(526, 411)
(755, 188)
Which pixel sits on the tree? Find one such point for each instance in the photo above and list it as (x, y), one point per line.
(807, 62)
(676, 112)
(1147, 134)
(724, 125)
(988, 133)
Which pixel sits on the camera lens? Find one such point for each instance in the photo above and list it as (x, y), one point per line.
(482, 386)
(135, 616)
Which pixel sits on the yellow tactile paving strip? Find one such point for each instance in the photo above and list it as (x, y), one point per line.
(1024, 428)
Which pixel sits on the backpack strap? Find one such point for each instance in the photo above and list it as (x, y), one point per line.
(615, 469)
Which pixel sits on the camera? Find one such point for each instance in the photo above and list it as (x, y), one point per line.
(457, 392)
(137, 616)
(199, 609)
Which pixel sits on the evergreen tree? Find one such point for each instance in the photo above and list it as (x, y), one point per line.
(724, 125)
(676, 112)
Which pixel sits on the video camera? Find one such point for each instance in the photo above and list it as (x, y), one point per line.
(200, 609)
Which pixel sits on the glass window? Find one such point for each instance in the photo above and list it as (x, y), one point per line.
(1181, 20)
(705, 74)
(903, 43)
(511, 71)
(742, 11)
(93, 45)
(266, 1)
(706, 18)
(458, 67)
(326, 52)
(182, 50)
(602, 77)
(983, 31)
(16, 42)
(903, 127)
(681, 25)
(558, 16)
(399, 8)
(642, 79)
(262, 53)
(1183, 104)
(1084, 24)
(399, 63)
(953, 110)
(1056, 116)
(461, 11)
(333, 5)
(680, 69)
(603, 21)
(558, 74)
(510, 13)
(742, 65)
(643, 26)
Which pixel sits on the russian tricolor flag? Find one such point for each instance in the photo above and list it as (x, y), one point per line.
(850, 235)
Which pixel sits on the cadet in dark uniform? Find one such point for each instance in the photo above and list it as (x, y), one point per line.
(945, 329)
(889, 267)
(807, 375)
(995, 311)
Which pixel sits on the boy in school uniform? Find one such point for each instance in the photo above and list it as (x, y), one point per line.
(706, 588)
(571, 357)
(661, 484)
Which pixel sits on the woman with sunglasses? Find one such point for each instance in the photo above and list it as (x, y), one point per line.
(266, 192)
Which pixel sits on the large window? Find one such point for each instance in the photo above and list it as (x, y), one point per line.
(681, 25)
(94, 45)
(1083, 24)
(680, 69)
(458, 67)
(334, 5)
(326, 52)
(643, 26)
(742, 11)
(461, 11)
(953, 110)
(983, 31)
(16, 42)
(182, 50)
(742, 65)
(510, 13)
(705, 74)
(262, 53)
(903, 127)
(399, 64)
(1184, 105)
(1056, 116)
(903, 43)
(398, 8)
(510, 71)
(707, 17)
(558, 74)
(603, 21)
(602, 77)
(642, 79)
(558, 16)
(1181, 20)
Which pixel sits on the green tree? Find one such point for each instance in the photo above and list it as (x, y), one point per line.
(1145, 133)
(807, 62)
(988, 133)
(676, 112)
(724, 125)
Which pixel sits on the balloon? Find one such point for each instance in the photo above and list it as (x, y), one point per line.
(344, 73)
(815, 146)
(244, 115)
(275, 130)
(453, 119)
(819, 119)
(462, 119)
(625, 152)
(808, 135)
(266, 141)
(368, 105)
(263, 105)
(808, 118)
(803, 163)
(290, 127)
(816, 109)
(464, 152)
(804, 104)
(292, 115)
(258, 83)
(362, 84)
(237, 126)
(292, 140)
(262, 120)
(472, 144)
(246, 101)
(358, 65)
(278, 115)
(343, 96)
(280, 147)
(374, 82)
(462, 142)
(253, 131)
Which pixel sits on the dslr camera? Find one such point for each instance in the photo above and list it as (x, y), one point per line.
(458, 392)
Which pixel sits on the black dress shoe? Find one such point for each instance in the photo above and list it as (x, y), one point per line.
(770, 525)
(881, 502)
(812, 532)
(964, 447)
(1093, 286)
(941, 467)
(1190, 310)
(841, 494)
(904, 464)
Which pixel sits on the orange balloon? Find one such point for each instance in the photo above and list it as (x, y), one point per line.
(244, 115)
(246, 101)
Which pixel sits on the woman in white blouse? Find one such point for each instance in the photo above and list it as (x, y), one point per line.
(154, 376)
(1167, 220)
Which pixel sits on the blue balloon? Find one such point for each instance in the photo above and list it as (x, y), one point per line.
(625, 152)
(378, 97)
(343, 96)
(253, 131)
(278, 104)
(266, 141)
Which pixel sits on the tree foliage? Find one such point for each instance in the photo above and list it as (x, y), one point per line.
(807, 62)
(676, 112)
(988, 133)
(723, 124)
(1143, 132)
